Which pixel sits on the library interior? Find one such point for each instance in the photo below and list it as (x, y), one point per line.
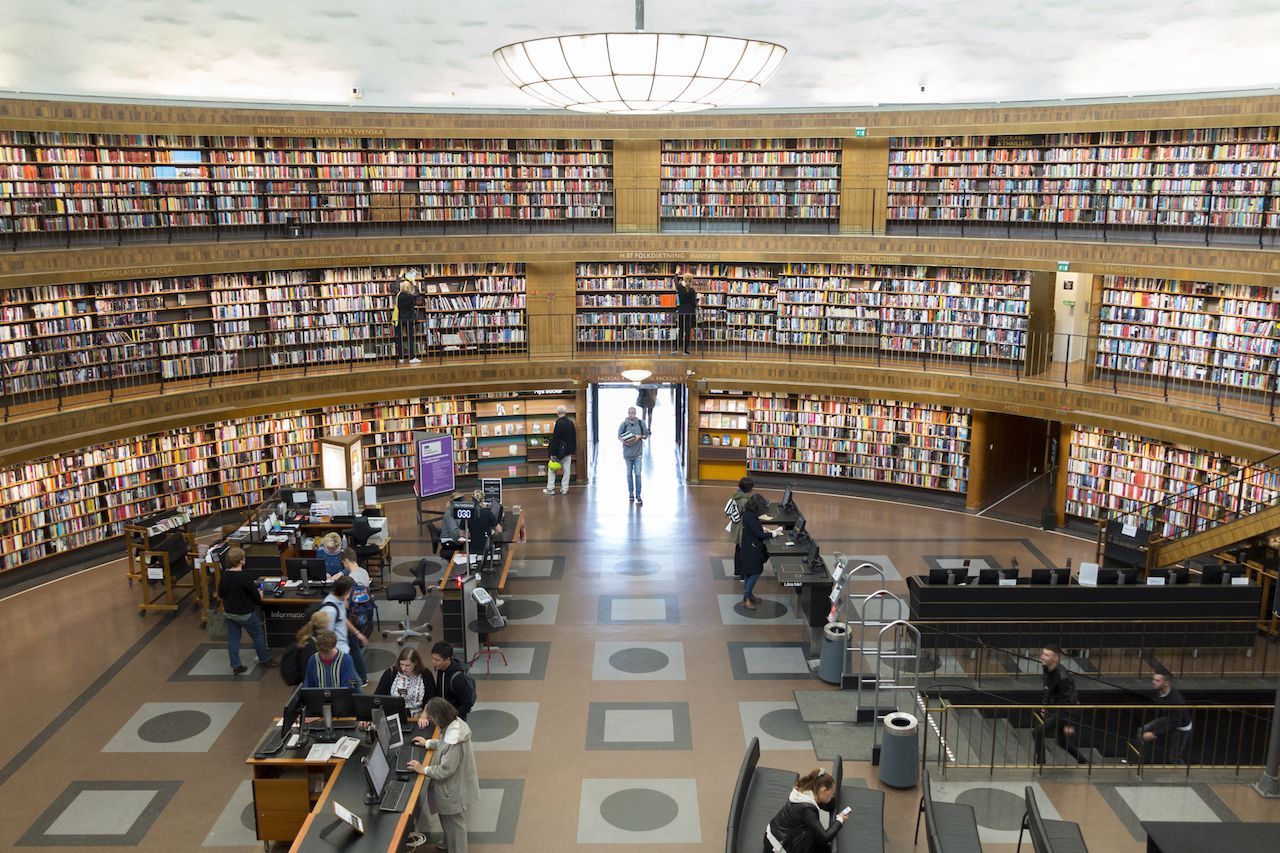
(732, 438)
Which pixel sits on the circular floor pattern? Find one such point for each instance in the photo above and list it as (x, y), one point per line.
(376, 660)
(638, 660)
(637, 567)
(785, 724)
(639, 810)
(521, 608)
(174, 726)
(488, 724)
(994, 809)
(404, 568)
(248, 819)
(765, 609)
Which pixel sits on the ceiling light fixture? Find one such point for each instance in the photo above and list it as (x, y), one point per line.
(638, 73)
(636, 374)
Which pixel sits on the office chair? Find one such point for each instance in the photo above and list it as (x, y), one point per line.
(359, 534)
(406, 594)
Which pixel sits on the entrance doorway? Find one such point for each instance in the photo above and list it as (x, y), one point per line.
(663, 407)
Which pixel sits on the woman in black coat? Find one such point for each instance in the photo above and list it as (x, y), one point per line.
(796, 828)
(751, 549)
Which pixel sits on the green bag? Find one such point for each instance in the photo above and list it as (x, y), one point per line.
(217, 626)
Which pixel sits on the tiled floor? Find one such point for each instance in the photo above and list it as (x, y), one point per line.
(633, 680)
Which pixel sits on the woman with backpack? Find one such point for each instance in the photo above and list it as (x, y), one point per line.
(404, 678)
(293, 663)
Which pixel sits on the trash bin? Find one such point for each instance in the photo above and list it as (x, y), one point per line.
(900, 751)
(831, 662)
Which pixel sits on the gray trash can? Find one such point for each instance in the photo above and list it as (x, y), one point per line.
(900, 751)
(831, 663)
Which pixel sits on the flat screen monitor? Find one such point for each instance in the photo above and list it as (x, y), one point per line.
(329, 703)
(1172, 577)
(1213, 575)
(992, 577)
(813, 560)
(787, 500)
(300, 498)
(1051, 577)
(1117, 577)
(377, 770)
(292, 711)
(947, 577)
(798, 532)
(367, 704)
(261, 566)
(388, 728)
(314, 566)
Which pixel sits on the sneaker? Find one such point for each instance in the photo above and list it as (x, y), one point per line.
(415, 361)
(240, 670)
(638, 501)
(564, 491)
(399, 361)
(631, 498)
(749, 604)
(549, 491)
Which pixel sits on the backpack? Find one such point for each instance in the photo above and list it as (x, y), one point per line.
(293, 664)
(470, 681)
(315, 608)
(361, 609)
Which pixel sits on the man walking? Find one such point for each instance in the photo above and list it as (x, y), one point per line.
(563, 444)
(240, 599)
(686, 312)
(1167, 735)
(633, 433)
(1058, 697)
(350, 640)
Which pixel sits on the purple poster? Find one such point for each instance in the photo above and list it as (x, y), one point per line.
(433, 454)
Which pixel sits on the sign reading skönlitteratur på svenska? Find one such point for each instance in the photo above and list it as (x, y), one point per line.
(433, 463)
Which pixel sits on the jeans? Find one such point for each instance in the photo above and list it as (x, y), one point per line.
(567, 462)
(404, 339)
(357, 658)
(633, 475)
(250, 623)
(749, 586)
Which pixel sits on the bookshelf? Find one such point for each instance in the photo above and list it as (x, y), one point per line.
(847, 438)
(71, 338)
(1189, 331)
(723, 435)
(69, 182)
(512, 432)
(1221, 178)
(1114, 474)
(749, 181)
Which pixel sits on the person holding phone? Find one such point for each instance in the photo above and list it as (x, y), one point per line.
(404, 678)
(796, 827)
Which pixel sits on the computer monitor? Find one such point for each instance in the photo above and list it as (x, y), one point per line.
(261, 566)
(947, 577)
(300, 498)
(367, 704)
(787, 501)
(1051, 577)
(377, 770)
(1173, 576)
(989, 577)
(798, 532)
(813, 564)
(1117, 577)
(1213, 574)
(314, 567)
(329, 703)
(387, 726)
(292, 712)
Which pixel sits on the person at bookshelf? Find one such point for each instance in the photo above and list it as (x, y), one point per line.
(1166, 736)
(751, 547)
(405, 678)
(454, 785)
(1058, 696)
(646, 399)
(632, 433)
(686, 312)
(350, 638)
(733, 509)
(797, 828)
(240, 601)
(563, 444)
(329, 667)
(405, 318)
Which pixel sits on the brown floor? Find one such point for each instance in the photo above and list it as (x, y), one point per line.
(82, 661)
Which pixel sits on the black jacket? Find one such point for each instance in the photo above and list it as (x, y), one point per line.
(564, 438)
(239, 593)
(686, 299)
(797, 827)
(1176, 715)
(454, 686)
(1059, 689)
(751, 548)
(407, 306)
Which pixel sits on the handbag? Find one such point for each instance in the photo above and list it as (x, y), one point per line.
(217, 626)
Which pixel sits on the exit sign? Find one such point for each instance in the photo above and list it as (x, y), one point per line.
(1064, 266)
(859, 131)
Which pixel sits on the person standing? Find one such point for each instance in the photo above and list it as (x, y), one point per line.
(454, 785)
(646, 399)
(452, 681)
(686, 312)
(796, 828)
(1170, 732)
(350, 638)
(1058, 696)
(632, 433)
(240, 601)
(563, 444)
(753, 537)
(733, 510)
(406, 319)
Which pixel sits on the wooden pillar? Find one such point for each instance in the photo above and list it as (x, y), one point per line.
(549, 307)
(1064, 455)
(637, 169)
(580, 423)
(979, 438)
(864, 182)
(695, 406)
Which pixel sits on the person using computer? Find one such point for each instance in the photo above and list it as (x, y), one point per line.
(405, 679)
(329, 667)
(240, 601)
(453, 682)
(733, 511)
(562, 446)
(1057, 697)
(1168, 734)
(454, 785)
(752, 550)
(482, 524)
(329, 548)
(633, 432)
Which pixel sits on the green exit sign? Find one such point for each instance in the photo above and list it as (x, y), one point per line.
(859, 131)
(1064, 266)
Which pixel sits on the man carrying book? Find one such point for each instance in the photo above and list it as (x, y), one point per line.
(632, 433)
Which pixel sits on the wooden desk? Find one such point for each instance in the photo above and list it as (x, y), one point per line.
(293, 801)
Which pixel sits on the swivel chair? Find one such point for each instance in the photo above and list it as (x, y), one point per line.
(359, 534)
(406, 594)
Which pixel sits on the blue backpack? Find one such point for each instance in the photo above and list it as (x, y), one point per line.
(361, 609)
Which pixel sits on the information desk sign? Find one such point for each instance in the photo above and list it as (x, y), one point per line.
(433, 464)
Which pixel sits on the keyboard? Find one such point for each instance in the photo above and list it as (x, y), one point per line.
(273, 744)
(395, 796)
(409, 752)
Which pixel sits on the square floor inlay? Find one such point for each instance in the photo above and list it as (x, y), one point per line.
(531, 609)
(639, 725)
(173, 727)
(494, 818)
(503, 726)
(761, 659)
(772, 608)
(235, 826)
(537, 568)
(98, 813)
(209, 662)
(638, 609)
(639, 811)
(641, 660)
(1134, 803)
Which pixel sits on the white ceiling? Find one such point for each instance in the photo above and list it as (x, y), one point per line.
(437, 53)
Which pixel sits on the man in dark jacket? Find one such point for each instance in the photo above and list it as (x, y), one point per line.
(686, 312)
(240, 601)
(1057, 699)
(1166, 737)
(563, 444)
(452, 681)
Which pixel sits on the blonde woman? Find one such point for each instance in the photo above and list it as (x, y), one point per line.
(406, 319)
(329, 548)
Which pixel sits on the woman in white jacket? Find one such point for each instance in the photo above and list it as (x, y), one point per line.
(453, 785)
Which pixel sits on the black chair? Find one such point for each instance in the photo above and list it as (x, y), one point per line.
(359, 534)
(1049, 836)
(406, 594)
